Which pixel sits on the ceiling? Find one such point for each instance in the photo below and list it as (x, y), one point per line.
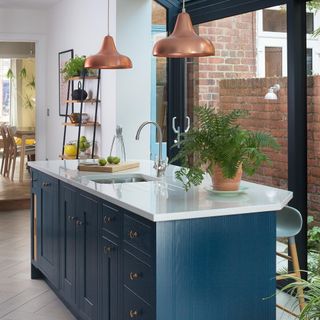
(27, 4)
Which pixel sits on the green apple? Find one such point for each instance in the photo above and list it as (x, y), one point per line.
(102, 162)
(116, 160)
(110, 159)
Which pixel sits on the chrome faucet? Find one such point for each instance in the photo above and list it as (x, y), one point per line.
(160, 165)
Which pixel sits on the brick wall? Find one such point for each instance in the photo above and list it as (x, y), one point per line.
(271, 116)
(234, 39)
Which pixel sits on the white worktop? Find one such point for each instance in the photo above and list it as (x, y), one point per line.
(165, 199)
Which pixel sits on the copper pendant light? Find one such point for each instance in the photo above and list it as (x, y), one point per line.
(183, 42)
(108, 57)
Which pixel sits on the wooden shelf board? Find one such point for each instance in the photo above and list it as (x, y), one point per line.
(90, 101)
(86, 78)
(65, 157)
(88, 124)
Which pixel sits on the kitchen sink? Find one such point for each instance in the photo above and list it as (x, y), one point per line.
(122, 178)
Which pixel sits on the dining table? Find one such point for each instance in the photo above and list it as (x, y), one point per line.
(24, 133)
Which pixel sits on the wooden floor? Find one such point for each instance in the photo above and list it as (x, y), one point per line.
(20, 297)
(24, 299)
(13, 194)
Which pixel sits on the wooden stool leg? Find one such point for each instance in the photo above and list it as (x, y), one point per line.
(296, 269)
(13, 166)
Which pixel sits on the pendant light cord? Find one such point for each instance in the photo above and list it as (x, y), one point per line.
(184, 6)
(108, 17)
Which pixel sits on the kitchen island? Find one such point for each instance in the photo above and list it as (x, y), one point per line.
(151, 251)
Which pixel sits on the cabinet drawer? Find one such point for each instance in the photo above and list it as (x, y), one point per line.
(138, 277)
(111, 219)
(137, 234)
(135, 308)
(35, 179)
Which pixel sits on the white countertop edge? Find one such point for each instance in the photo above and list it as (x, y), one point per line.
(182, 215)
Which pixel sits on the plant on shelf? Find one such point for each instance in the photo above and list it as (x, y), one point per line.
(220, 147)
(74, 67)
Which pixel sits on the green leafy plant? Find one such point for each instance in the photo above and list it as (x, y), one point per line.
(313, 247)
(311, 290)
(74, 67)
(219, 140)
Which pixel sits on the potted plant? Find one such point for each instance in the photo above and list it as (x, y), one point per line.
(219, 146)
(74, 67)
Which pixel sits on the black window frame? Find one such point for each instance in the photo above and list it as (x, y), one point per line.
(202, 11)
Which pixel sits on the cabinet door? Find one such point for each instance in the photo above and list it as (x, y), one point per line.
(109, 279)
(87, 256)
(48, 228)
(68, 242)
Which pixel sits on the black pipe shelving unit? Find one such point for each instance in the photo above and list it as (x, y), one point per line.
(81, 102)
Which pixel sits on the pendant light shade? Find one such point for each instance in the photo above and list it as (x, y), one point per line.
(183, 42)
(108, 57)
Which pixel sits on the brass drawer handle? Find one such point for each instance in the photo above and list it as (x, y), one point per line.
(107, 219)
(71, 218)
(107, 249)
(134, 276)
(79, 222)
(133, 234)
(46, 184)
(133, 314)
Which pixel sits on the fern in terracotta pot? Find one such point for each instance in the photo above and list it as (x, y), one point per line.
(219, 146)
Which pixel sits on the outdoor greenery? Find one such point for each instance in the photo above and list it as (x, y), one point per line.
(313, 248)
(314, 6)
(311, 289)
(219, 140)
(29, 98)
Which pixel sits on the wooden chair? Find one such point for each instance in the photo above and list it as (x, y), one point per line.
(15, 151)
(5, 152)
(289, 224)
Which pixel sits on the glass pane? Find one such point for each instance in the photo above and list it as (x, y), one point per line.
(275, 20)
(247, 65)
(273, 61)
(309, 62)
(310, 22)
(159, 99)
(4, 90)
(313, 84)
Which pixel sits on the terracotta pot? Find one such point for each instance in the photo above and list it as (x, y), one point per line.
(220, 183)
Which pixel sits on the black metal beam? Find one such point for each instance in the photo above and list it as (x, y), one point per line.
(297, 117)
(203, 11)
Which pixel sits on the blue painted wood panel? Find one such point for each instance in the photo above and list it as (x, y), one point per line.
(216, 268)
(68, 242)
(47, 228)
(87, 256)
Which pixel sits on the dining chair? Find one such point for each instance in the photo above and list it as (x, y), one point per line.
(15, 151)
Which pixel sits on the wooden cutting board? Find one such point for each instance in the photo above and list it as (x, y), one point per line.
(108, 168)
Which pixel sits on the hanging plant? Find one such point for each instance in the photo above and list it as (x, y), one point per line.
(10, 74)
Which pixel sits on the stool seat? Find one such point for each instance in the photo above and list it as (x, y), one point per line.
(289, 222)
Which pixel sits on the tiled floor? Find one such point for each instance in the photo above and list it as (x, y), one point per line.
(20, 297)
(24, 299)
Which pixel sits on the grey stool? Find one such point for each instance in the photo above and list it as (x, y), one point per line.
(289, 224)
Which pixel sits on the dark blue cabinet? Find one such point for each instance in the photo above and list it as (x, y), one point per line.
(68, 200)
(87, 256)
(79, 251)
(107, 263)
(45, 228)
(109, 279)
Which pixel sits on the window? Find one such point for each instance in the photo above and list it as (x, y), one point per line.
(4, 90)
(310, 22)
(273, 63)
(274, 20)
(309, 62)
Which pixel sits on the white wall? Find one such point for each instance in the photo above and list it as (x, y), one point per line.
(134, 86)
(80, 27)
(30, 26)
